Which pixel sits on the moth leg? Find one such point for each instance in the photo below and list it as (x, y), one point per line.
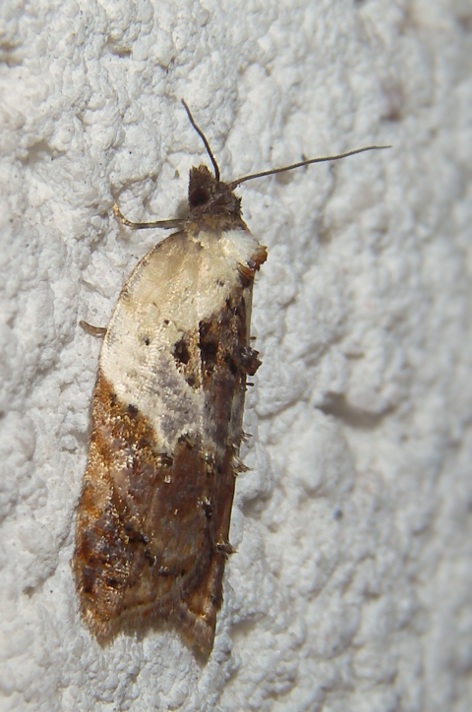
(93, 330)
(166, 224)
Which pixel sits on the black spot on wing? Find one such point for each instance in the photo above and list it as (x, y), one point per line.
(208, 346)
(181, 352)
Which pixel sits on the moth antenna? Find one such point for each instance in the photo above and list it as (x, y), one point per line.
(204, 139)
(308, 162)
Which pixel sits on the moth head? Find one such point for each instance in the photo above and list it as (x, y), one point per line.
(208, 195)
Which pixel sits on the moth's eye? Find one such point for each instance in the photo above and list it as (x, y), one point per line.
(199, 196)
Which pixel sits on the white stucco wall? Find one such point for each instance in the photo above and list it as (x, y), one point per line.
(351, 587)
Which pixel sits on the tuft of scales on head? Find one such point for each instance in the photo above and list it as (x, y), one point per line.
(209, 196)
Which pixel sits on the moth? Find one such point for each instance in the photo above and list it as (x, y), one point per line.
(152, 532)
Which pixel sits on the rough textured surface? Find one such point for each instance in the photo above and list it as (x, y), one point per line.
(351, 586)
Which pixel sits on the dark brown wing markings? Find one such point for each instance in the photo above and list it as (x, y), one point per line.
(148, 532)
(153, 528)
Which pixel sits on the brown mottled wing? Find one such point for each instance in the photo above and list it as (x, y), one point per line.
(152, 526)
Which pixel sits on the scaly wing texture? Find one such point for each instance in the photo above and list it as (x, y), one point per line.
(154, 515)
